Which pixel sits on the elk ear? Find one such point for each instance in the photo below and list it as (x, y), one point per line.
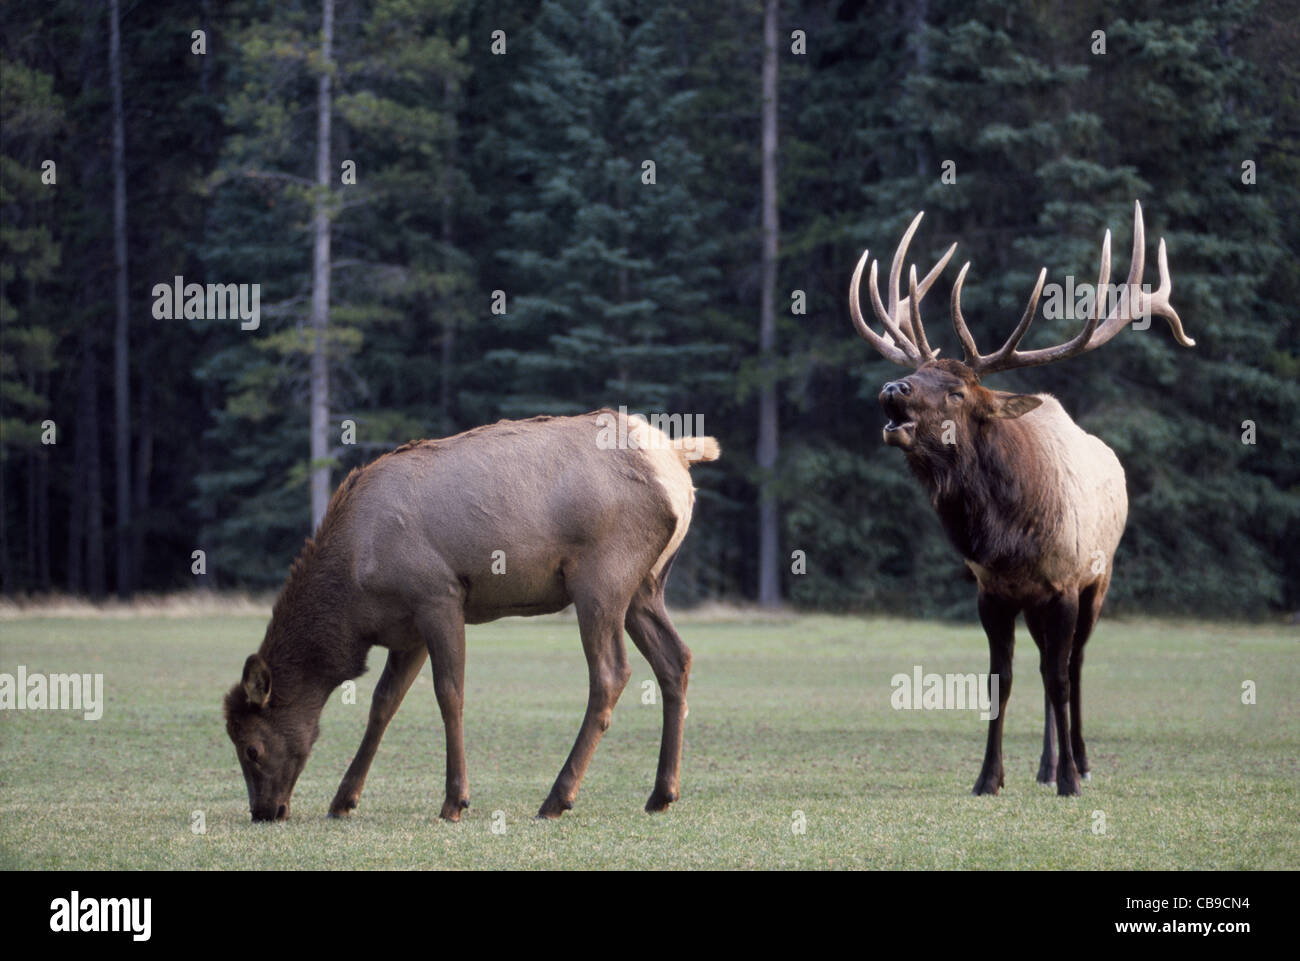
(257, 680)
(1009, 406)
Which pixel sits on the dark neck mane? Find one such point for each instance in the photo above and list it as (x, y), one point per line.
(991, 494)
(308, 643)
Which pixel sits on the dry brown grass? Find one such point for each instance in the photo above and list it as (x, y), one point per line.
(180, 604)
(212, 603)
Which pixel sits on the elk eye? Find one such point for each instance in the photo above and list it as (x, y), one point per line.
(957, 395)
(250, 752)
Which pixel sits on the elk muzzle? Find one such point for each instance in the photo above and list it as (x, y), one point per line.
(900, 430)
(271, 812)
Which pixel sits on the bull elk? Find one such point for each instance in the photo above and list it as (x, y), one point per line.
(1035, 504)
(515, 518)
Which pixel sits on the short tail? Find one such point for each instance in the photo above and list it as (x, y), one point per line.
(697, 450)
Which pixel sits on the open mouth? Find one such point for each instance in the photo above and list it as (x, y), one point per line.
(900, 434)
(899, 426)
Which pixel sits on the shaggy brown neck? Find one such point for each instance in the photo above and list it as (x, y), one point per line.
(989, 494)
(308, 644)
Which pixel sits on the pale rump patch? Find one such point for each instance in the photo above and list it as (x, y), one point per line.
(701, 449)
(668, 459)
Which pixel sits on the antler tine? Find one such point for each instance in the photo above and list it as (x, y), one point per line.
(896, 267)
(887, 318)
(1081, 339)
(913, 305)
(936, 270)
(1009, 348)
(1138, 260)
(921, 290)
(1131, 303)
(959, 322)
(1103, 279)
(1159, 303)
(904, 342)
(887, 349)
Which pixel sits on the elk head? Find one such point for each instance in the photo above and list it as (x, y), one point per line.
(272, 740)
(948, 392)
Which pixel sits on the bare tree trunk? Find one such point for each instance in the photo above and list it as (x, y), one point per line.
(88, 424)
(320, 293)
(447, 360)
(76, 566)
(769, 569)
(30, 566)
(6, 576)
(914, 14)
(121, 343)
(206, 508)
(143, 471)
(43, 582)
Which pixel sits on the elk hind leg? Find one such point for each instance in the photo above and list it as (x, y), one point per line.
(443, 630)
(600, 621)
(1047, 763)
(1056, 620)
(654, 635)
(1090, 601)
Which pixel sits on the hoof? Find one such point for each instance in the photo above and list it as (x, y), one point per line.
(1047, 775)
(552, 808)
(344, 808)
(659, 802)
(451, 809)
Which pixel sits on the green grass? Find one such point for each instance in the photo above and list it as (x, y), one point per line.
(786, 715)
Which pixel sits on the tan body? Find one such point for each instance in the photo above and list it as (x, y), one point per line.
(527, 505)
(515, 518)
(1085, 511)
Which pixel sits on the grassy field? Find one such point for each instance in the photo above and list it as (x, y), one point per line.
(787, 715)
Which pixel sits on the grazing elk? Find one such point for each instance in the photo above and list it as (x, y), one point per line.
(1035, 504)
(515, 518)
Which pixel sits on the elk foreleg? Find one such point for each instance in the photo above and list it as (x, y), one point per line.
(998, 616)
(399, 673)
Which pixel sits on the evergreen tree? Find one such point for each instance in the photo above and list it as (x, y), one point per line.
(392, 66)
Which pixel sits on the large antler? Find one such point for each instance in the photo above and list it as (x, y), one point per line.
(905, 342)
(1131, 303)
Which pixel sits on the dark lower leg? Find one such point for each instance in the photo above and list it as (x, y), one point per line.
(1047, 764)
(443, 630)
(400, 671)
(670, 659)
(999, 619)
(1076, 715)
(1058, 618)
(608, 673)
